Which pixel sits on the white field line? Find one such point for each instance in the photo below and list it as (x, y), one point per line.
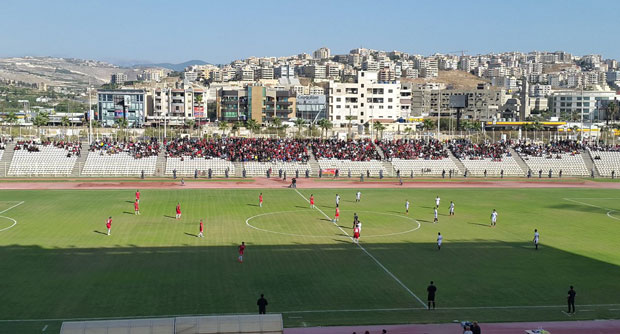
(609, 211)
(14, 221)
(367, 253)
(522, 307)
(567, 314)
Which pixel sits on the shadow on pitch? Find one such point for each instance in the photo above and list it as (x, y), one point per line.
(100, 232)
(252, 204)
(479, 224)
(129, 213)
(191, 235)
(130, 201)
(171, 217)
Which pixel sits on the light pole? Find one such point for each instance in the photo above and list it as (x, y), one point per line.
(90, 114)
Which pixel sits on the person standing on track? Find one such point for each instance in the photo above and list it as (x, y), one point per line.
(571, 299)
(136, 207)
(439, 240)
(178, 211)
(431, 289)
(262, 304)
(493, 218)
(241, 251)
(260, 200)
(138, 196)
(311, 201)
(451, 208)
(200, 235)
(536, 237)
(108, 224)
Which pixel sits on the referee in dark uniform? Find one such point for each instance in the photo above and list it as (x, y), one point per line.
(262, 304)
(571, 299)
(431, 295)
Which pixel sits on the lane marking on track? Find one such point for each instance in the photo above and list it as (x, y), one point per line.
(367, 253)
(9, 218)
(320, 311)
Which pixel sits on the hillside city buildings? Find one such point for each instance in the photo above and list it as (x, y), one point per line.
(367, 86)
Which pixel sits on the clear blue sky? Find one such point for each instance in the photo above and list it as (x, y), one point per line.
(221, 31)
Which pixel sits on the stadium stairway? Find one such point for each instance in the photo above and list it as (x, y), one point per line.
(160, 165)
(457, 162)
(519, 160)
(81, 161)
(238, 169)
(379, 150)
(587, 159)
(314, 164)
(7, 157)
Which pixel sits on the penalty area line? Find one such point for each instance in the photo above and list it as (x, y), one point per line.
(367, 253)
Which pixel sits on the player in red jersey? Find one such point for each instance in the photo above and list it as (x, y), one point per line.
(241, 250)
(356, 234)
(260, 200)
(108, 224)
(178, 210)
(200, 235)
(138, 196)
(312, 201)
(337, 216)
(136, 207)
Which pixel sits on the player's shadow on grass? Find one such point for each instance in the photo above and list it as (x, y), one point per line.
(301, 207)
(252, 204)
(578, 207)
(171, 217)
(99, 232)
(129, 213)
(130, 201)
(425, 221)
(191, 235)
(479, 224)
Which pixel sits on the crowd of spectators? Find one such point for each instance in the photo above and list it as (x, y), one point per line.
(413, 149)
(604, 147)
(464, 149)
(354, 150)
(239, 149)
(138, 149)
(552, 149)
(72, 148)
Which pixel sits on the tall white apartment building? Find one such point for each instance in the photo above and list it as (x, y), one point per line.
(577, 103)
(322, 53)
(367, 100)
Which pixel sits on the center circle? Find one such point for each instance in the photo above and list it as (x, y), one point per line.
(610, 214)
(296, 222)
(6, 223)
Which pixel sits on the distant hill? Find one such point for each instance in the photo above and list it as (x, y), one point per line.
(175, 67)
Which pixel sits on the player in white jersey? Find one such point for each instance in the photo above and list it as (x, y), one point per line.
(439, 240)
(435, 220)
(359, 225)
(493, 218)
(536, 237)
(358, 196)
(437, 199)
(337, 200)
(407, 207)
(451, 208)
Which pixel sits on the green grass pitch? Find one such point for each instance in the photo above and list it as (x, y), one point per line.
(57, 263)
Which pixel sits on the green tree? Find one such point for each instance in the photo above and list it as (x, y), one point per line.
(40, 120)
(11, 119)
(428, 124)
(350, 119)
(65, 122)
(612, 109)
(122, 124)
(190, 123)
(325, 125)
(252, 125)
(299, 123)
(223, 126)
(277, 122)
(379, 127)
